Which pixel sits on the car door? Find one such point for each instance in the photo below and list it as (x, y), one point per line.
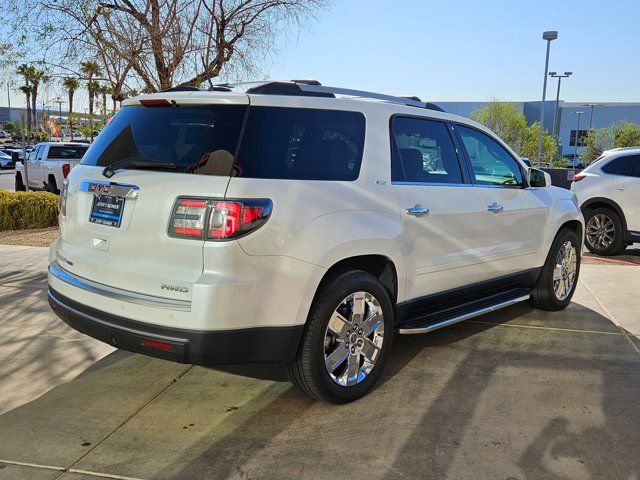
(33, 168)
(515, 215)
(442, 218)
(625, 191)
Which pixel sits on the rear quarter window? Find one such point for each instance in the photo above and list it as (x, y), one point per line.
(301, 144)
(619, 166)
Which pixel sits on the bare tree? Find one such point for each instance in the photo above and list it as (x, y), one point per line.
(157, 44)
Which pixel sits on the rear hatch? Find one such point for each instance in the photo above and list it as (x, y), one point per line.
(115, 230)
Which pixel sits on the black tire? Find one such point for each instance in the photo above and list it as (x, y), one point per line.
(617, 246)
(543, 295)
(19, 184)
(51, 186)
(308, 371)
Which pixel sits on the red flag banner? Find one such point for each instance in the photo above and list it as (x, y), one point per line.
(53, 127)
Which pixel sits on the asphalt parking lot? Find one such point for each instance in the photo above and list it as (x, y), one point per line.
(519, 394)
(7, 178)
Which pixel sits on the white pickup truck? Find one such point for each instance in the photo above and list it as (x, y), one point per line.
(47, 165)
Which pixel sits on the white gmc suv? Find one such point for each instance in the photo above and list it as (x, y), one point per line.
(47, 165)
(285, 224)
(608, 192)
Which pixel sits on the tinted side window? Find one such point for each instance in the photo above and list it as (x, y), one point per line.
(635, 169)
(619, 166)
(422, 151)
(31, 156)
(301, 144)
(491, 164)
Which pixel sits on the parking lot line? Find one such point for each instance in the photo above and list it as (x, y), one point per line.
(98, 474)
(577, 330)
(33, 465)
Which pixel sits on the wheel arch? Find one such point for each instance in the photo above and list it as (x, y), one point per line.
(602, 202)
(574, 225)
(380, 266)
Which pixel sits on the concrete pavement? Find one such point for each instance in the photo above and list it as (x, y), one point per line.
(516, 394)
(37, 351)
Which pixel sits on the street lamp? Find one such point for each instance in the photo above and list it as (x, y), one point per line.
(575, 153)
(549, 37)
(555, 114)
(592, 105)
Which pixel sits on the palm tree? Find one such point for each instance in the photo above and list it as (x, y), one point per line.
(104, 91)
(27, 72)
(36, 77)
(90, 69)
(27, 89)
(71, 84)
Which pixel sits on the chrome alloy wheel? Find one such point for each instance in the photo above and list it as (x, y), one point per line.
(600, 231)
(564, 273)
(353, 339)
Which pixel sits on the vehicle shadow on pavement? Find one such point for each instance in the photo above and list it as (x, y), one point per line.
(516, 394)
(37, 351)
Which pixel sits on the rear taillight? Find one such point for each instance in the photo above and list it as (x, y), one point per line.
(62, 202)
(188, 218)
(578, 176)
(216, 219)
(66, 168)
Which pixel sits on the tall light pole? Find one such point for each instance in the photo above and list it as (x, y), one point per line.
(555, 114)
(592, 105)
(577, 137)
(549, 37)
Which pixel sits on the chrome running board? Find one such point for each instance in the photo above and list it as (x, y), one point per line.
(465, 316)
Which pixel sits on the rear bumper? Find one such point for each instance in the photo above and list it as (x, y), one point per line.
(251, 345)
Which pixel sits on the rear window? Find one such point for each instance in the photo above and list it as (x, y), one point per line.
(70, 151)
(199, 140)
(301, 144)
(278, 143)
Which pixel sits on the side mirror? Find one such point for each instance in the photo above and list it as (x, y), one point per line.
(538, 178)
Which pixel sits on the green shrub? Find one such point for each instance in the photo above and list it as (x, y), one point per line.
(22, 210)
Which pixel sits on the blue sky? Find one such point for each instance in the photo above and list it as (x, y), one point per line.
(471, 49)
(465, 49)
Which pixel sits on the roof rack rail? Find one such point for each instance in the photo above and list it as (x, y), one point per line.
(408, 101)
(313, 88)
(184, 88)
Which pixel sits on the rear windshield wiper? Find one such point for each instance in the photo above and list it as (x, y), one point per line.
(110, 170)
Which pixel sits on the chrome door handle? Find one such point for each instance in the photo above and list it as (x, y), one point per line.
(418, 211)
(622, 189)
(495, 208)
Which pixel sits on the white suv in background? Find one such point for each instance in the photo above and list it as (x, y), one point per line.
(608, 192)
(284, 224)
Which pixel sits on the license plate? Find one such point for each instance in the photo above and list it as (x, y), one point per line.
(107, 210)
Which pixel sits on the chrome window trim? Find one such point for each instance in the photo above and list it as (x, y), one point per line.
(477, 185)
(116, 293)
(433, 184)
(125, 190)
